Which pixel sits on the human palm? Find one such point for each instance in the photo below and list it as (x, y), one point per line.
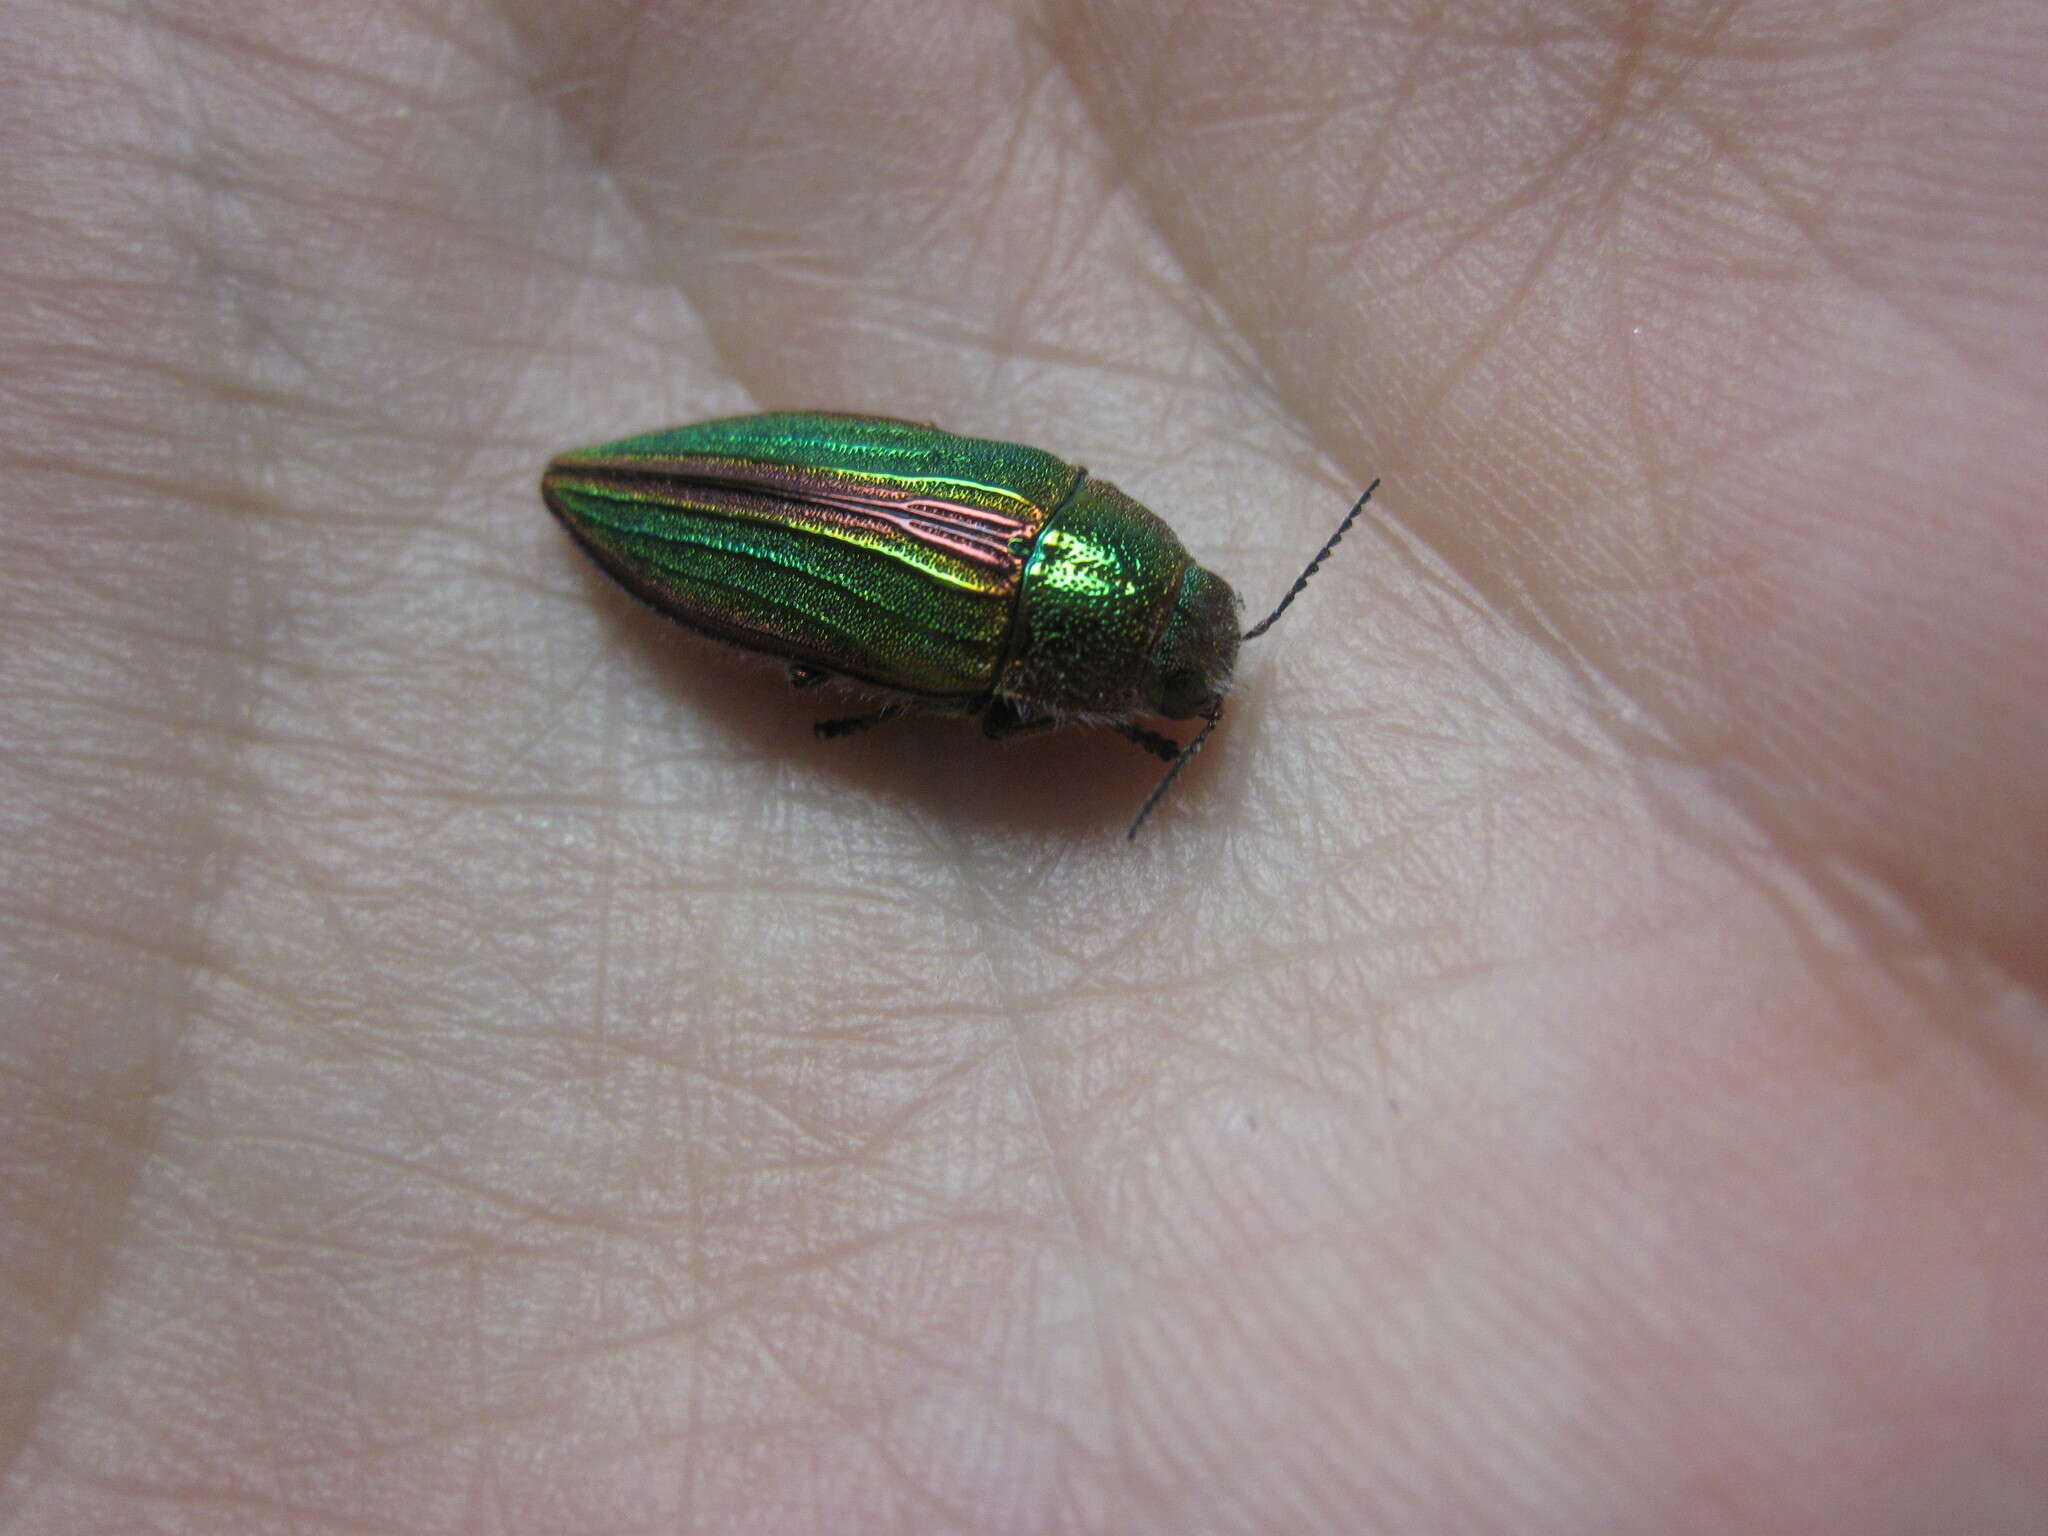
(1567, 1059)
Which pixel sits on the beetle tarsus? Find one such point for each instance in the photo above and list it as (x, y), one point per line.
(847, 725)
(1165, 748)
(1181, 759)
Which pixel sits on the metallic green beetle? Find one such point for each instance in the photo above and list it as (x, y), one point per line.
(941, 572)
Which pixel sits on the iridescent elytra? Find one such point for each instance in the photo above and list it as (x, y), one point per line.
(932, 571)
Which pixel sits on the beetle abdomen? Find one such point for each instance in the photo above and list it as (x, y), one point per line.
(881, 550)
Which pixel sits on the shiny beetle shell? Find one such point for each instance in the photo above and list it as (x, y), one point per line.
(949, 573)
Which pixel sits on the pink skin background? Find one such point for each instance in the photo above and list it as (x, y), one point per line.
(1570, 1059)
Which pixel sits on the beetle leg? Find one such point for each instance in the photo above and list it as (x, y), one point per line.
(846, 725)
(1165, 748)
(1002, 719)
(803, 675)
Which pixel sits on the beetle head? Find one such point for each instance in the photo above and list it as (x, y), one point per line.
(1192, 636)
(1189, 669)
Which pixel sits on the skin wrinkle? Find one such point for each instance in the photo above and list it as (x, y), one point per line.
(1135, 993)
(1012, 325)
(1659, 506)
(1484, 339)
(1811, 226)
(1084, 1242)
(119, 1154)
(599, 154)
(1232, 345)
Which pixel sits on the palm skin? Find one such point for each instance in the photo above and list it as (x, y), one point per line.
(1568, 1059)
